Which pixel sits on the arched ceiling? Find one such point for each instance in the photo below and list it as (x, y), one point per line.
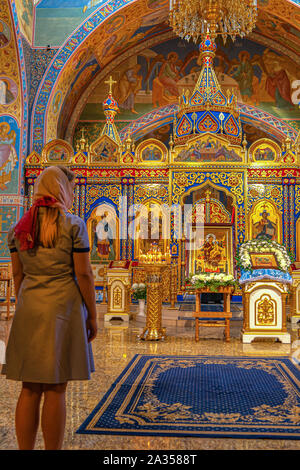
(116, 33)
(55, 20)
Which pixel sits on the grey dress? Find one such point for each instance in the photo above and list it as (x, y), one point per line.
(48, 339)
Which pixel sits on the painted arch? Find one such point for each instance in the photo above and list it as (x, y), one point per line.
(99, 28)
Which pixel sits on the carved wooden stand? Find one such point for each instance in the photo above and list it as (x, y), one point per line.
(264, 303)
(203, 318)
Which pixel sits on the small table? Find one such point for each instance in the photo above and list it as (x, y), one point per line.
(219, 319)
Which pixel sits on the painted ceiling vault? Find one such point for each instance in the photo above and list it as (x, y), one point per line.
(131, 41)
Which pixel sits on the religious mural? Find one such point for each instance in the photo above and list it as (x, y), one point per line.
(10, 107)
(85, 67)
(5, 35)
(146, 24)
(104, 150)
(9, 142)
(103, 229)
(10, 96)
(157, 76)
(265, 222)
(8, 91)
(56, 20)
(151, 151)
(57, 151)
(211, 253)
(25, 10)
(208, 150)
(264, 151)
(13, 124)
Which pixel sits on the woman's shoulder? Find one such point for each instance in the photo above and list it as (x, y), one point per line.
(74, 220)
(78, 232)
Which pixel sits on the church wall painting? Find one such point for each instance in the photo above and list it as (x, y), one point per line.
(212, 253)
(8, 91)
(265, 221)
(57, 102)
(104, 150)
(103, 230)
(58, 19)
(87, 31)
(95, 43)
(85, 67)
(208, 150)
(25, 10)
(10, 96)
(264, 151)
(57, 151)
(8, 215)
(151, 151)
(13, 105)
(259, 76)
(9, 149)
(13, 122)
(5, 34)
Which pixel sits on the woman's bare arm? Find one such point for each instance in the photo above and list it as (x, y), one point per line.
(17, 272)
(85, 280)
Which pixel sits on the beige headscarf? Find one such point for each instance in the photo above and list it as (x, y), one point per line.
(54, 182)
(52, 188)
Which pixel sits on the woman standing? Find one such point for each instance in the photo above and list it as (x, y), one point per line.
(55, 318)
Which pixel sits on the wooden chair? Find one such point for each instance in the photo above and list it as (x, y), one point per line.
(219, 319)
(6, 278)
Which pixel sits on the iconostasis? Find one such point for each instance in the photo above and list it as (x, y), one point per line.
(116, 102)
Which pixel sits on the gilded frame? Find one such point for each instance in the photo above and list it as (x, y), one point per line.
(219, 250)
(155, 143)
(264, 144)
(260, 205)
(50, 146)
(94, 159)
(263, 263)
(92, 221)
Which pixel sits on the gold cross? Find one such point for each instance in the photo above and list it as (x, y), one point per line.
(110, 82)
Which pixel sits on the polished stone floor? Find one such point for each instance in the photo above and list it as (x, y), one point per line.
(113, 348)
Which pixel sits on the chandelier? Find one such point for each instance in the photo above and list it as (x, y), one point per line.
(194, 19)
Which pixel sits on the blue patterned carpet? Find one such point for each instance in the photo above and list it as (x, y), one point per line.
(201, 396)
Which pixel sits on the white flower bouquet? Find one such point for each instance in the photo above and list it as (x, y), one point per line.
(212, 281)
(243, 257)
(139, 291)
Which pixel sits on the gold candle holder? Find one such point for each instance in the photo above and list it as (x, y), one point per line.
(153, 330)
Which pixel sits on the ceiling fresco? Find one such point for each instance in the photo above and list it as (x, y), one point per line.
(132, 39)
(25, 9)
(56, 20)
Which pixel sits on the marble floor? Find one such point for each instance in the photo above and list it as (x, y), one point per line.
(113, 348)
